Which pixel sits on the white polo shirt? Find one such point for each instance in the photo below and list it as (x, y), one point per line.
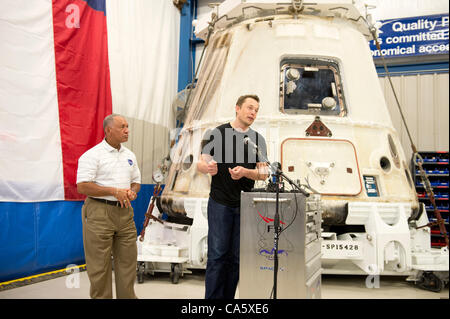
(107, 166)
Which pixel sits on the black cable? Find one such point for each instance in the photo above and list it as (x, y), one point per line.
(295, 214)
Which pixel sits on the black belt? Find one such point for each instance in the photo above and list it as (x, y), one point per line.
(105, 201)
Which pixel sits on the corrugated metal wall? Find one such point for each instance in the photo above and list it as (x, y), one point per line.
(425, 103)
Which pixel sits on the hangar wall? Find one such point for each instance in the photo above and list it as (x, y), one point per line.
(425, 104)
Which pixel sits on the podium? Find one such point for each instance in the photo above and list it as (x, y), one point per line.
(299, 247)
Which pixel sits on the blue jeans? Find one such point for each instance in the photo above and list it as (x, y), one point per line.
(222, 268)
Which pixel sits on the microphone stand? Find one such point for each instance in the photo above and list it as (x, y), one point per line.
(278, 173)
(277, 231)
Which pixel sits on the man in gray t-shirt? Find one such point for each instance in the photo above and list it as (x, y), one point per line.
(234, 167)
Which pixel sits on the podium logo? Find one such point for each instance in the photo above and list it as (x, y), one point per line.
(271, 268)
(269, 255)
(267, 219)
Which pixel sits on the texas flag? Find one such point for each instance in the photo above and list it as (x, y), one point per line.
(54, 93)
(62, 70)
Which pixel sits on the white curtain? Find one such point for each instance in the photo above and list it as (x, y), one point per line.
(143, 39)
(143, 42)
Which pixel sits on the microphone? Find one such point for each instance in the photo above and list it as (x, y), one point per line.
(248, 141)
(277, 165)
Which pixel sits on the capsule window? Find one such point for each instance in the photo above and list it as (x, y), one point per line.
(392, 146)
(311, 86)
(394, 151)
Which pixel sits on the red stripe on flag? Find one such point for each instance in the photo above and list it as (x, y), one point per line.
(83, 82)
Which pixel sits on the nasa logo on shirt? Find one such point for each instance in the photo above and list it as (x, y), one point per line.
(130, 162)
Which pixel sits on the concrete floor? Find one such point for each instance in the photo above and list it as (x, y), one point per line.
(191, 286)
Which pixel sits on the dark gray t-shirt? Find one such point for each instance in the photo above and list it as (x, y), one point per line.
(227, 147)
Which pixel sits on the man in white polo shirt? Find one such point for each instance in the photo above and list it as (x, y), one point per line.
(109, 175)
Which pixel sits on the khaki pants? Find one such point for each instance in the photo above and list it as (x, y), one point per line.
(109, 230)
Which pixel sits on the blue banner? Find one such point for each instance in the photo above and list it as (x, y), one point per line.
(40, 237)
(413, 36)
